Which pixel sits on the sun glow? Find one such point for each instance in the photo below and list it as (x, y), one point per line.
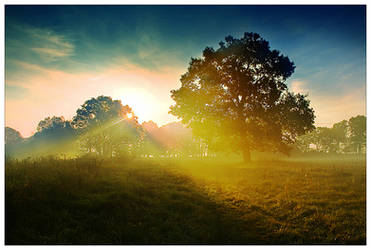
(140, 100)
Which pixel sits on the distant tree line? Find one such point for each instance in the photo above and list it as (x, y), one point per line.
(104, 127)
(347, 136)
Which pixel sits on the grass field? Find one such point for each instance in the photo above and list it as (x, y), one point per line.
(87, 201)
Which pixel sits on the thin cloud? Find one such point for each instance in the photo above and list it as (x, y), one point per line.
(53, 46)
(50, 54)
(47, 44)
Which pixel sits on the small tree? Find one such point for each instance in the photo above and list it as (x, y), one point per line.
(357, 128)
(326, 140)
(309, 141)
(340, 131)
(236, 98)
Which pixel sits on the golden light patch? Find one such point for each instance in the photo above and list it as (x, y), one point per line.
(140, 100)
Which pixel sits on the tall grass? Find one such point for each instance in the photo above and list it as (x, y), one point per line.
(96, 201)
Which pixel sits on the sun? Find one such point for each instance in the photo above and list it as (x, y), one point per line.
(140, 101)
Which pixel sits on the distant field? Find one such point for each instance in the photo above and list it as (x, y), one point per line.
(87, 201)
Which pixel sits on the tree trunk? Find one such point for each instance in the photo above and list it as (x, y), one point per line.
(246, 155)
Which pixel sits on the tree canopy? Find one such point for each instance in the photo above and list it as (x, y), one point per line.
(236, 98)
(55, 128)
(98, 111)
(106, 126)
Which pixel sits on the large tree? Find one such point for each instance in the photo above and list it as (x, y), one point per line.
(236, 98)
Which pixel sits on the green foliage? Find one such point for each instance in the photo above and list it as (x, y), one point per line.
(100, 201)
(236, 98)
(357, 129)
(106, 127)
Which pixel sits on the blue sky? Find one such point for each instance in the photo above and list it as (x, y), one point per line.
(134, 52)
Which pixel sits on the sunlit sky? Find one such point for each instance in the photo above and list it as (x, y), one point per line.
(57, 57)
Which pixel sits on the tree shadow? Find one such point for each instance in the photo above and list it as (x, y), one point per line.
(122, 205)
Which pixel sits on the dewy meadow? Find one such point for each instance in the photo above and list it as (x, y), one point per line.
(154, 125)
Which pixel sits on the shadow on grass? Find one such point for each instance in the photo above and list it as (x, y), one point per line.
(69, 202)
(87, 201)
